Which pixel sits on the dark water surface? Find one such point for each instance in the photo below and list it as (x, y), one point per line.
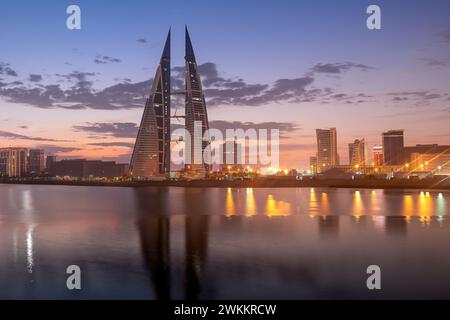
(291, 243)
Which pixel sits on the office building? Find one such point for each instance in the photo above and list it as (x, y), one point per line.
(36, 161)
(327, 155)
(357, 153)
(393, 143)
(13, 162)
(151, 154)
(196, 115)
(378, 158)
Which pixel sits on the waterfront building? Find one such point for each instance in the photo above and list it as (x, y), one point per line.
(36, 161)
(427, 157)
(393, 143)
(378, 158)
(49, 162)
(196, 115)
(313, 164)
(151, 154)
(13, 162)
(82, 168)
(327, 155)
(357, 153)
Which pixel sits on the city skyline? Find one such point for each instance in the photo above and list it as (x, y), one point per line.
(85, 98)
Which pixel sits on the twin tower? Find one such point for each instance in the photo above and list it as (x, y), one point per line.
(151, 154)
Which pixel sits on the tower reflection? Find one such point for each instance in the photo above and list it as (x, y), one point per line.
(154, 225)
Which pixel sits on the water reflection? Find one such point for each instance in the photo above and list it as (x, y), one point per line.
(154, 228)
(172, 243)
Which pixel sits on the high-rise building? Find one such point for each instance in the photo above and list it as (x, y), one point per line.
(151, 154)
(36, 161)
(13, 162)
(196, 120)
(393, 142)
(232, 156)
(378, 158)
(327, 155)
(357, 152)
(49, 161)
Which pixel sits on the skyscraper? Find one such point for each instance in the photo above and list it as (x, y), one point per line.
(357, 152)
(36, 161)
(49, 161)
(151, 154)
(196, 115)
(327, 155)
(393, 142)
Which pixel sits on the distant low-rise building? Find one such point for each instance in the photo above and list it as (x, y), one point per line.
(82, 168)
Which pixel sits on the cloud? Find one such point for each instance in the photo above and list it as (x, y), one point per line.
(5, 69)
(113, 144)
(130, 130)
(284, 127)
(338, 68)
(77, 90)
(79, 94)
(99, 59)
(420, 95)
(297, 146)
(35, 78)
(55, 150)
(436, 63)
(16, 136)
(444, 36)
(117, 130)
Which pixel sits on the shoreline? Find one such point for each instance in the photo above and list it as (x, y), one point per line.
(433, 183)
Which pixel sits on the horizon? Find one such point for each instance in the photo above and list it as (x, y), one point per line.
(86, 96)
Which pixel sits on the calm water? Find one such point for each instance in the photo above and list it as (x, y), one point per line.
(222, 243)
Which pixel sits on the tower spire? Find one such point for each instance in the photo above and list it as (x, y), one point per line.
(189, 50)
(166, 51)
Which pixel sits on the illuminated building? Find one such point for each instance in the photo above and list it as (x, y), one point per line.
(427, 157)
(393, 142)
(357, 153)
(327, 155)
(151, 154)
(438, 163)
(195, 112)
(378, 158)
(313, 165)
(13, 162)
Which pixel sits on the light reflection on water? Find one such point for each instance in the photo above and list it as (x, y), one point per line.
(161, 243)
